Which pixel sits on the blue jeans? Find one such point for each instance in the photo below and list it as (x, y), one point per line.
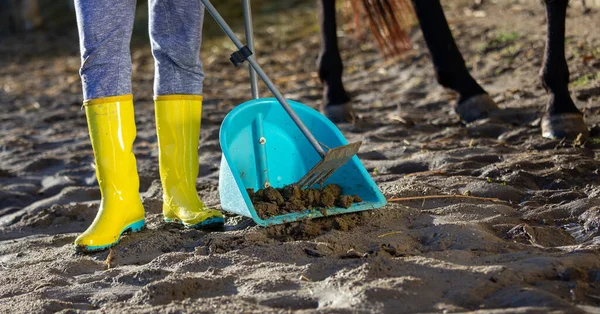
(105, 28)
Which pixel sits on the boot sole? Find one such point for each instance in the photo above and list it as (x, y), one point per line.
(134, 227)
(209, 223)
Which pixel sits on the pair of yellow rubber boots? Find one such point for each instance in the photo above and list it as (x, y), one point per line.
(112, 131)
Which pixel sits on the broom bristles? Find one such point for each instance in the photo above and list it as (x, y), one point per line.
(388, 20)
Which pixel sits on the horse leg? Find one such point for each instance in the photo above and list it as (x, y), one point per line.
(450, 69)
(336, 102)
(31, 14)
(561, 118)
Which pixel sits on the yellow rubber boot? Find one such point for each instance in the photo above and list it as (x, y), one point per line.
(178, 130)
(112, 131)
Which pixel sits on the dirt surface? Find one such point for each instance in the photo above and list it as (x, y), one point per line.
(271, 202)
(537, 253)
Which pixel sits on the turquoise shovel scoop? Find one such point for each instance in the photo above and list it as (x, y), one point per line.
(266, 143)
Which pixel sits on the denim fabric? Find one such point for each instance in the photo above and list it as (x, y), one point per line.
(105, 27)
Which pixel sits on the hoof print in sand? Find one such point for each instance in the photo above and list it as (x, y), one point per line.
(176, 288)
(291, 302)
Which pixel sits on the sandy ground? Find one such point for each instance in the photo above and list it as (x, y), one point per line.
(535, 252)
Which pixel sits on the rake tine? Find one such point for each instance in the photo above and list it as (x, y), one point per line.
(323, 176)
(306, 180)
(332, 161)
(328, 175)
(302, 181)
(319, 177)
(312, 180)
(313, 177)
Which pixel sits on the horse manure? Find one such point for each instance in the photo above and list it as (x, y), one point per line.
(333, 189)
(264, 208)
(270, 202)
(344, 201)
(273, 196)
(327, 200)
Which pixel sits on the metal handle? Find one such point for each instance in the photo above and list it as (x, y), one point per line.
(313, 141)
(250, 44)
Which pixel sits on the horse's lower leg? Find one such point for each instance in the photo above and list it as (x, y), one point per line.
(336, 102)
(450, 68)
(561, 119)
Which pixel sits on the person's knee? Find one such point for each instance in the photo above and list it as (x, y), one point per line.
(105, 72)
(177, 57)
(109, 56)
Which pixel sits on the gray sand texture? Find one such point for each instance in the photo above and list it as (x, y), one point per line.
(529, 244)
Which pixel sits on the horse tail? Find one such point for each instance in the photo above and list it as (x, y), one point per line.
(388, 20)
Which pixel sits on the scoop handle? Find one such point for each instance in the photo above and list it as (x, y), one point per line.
(250, 43)
(313, 141)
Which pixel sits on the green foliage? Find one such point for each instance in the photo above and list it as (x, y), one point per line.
(507, 37)
(585, 79)
(501, 41)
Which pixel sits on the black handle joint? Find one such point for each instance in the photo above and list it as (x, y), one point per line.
(238, 57)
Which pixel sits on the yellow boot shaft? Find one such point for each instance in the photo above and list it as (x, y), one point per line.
(111, 125)
(178, 130)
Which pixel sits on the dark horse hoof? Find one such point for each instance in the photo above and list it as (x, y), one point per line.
(476, 107)
(564, 125)
(339, 113)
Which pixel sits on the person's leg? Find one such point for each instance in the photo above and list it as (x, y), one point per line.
(176, 35)
(105, 31)
(104, 38)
